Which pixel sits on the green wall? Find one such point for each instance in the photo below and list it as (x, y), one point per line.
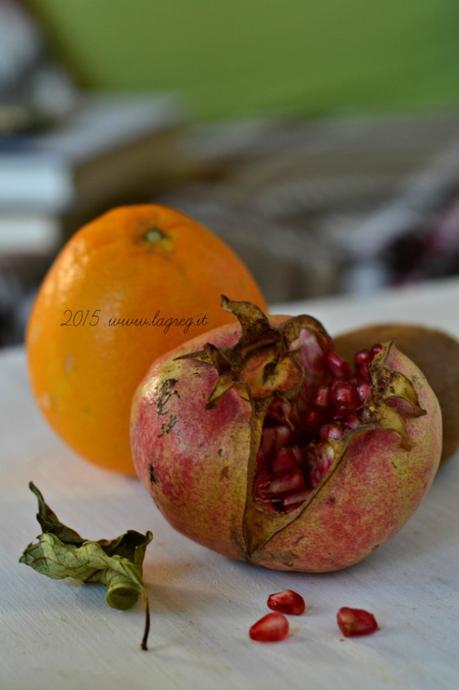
(232, 57)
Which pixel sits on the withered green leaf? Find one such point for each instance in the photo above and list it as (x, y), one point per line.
(60, 552)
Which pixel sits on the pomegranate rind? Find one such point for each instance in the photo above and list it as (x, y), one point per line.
(197, 460)
(193, 460)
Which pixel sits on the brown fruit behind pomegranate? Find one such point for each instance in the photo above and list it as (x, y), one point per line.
(259, 441)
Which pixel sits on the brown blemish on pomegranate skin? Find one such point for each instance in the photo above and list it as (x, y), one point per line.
(225, 473)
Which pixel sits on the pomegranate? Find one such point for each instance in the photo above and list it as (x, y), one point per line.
(354, 622)
(271, 628)
(259, 441)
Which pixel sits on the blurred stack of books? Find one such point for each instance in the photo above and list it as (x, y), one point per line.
(107, 151)
(333, 205)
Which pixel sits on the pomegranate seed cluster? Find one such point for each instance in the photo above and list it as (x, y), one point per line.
(296, 449)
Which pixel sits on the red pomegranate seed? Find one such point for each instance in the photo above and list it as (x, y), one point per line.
(288, 601)
(353, 622)
(324, 459)
(293, 481)
(331, 432)
(337, 365)
(280, 409)
(293, 500)
(375, 350)
(363, 373)
(283, 461)
(322, 396)
(344, 396)
(352, 421)
(313, 419)
(296, 454)
(363, 391)
(362, 357)
(271, 628)
(282, 436)
(267, 441)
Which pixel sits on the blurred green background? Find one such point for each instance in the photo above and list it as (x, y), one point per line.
(250, 57)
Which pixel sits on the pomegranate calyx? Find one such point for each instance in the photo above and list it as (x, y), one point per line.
(265, 360)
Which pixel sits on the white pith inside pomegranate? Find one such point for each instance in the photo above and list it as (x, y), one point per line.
(260, 442)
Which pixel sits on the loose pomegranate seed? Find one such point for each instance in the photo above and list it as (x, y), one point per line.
(362, 357)
(363, 391)
(283, 461)
(322, 396)
(353, 622)
(288, 601)
(271, 628)
(293, 481)
(375, 350)
(337, 365)
(331, 432)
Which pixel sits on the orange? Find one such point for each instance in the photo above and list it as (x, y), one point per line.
(129, 286)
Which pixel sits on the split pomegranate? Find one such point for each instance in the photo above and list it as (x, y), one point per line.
(353, 622)
(259, 441)
(288, 601)
(271, 628)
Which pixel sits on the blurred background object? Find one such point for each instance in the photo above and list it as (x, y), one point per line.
(320, 140)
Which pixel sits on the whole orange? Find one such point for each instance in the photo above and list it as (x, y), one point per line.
(129, 286)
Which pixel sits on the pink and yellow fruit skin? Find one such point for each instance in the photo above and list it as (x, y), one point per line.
(199, 477)
(200, 463)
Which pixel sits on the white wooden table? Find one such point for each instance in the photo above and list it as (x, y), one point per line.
(59, 635)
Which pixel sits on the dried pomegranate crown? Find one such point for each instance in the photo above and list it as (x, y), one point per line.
(307, 406)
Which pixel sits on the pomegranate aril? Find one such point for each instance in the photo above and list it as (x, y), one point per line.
(353, 622)
(363, 391)
(322, 397)
(268, 438)
(352, 421)
(362, 357)
(282, 435)
(293, 481)
(284, 461)
(312, 419)
(324, 459)
(375, 350)
(287, 601)
(331, 432)
(337, 365)
(363, 373)
(344, 396)
(294, 500)
(271, 628)
(280, 409)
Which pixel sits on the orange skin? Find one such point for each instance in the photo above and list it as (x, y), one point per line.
(200, 461)
(84, 376)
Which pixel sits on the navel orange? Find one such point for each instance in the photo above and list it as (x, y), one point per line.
(129, 286)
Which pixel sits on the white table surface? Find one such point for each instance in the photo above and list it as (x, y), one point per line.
(60, 635)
